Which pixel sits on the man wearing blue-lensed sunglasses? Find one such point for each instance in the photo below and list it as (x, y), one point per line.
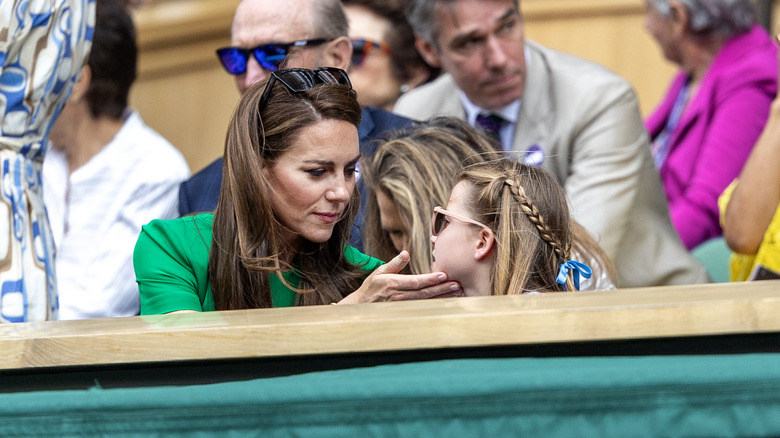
(267, 35)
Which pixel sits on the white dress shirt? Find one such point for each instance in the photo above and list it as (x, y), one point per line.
(97, 212)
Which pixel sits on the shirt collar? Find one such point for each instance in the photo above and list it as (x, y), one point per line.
(508, 113)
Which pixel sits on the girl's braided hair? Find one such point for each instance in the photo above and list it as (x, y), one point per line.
(535, 217)
(527, 210)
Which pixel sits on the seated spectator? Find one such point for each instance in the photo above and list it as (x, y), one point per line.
(385, 62)
(506, 230)
(750, 209)
(278, 236)
(412, 172)
(704, 129)
(574, 118)
(105, 175)
(43, 46)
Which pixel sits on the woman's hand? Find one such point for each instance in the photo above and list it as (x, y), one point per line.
(386, 284)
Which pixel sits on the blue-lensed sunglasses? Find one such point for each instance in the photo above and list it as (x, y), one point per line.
(269, 56)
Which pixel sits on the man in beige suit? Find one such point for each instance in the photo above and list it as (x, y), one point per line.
(575, 118)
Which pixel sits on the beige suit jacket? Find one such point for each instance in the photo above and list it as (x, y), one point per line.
(586, 122)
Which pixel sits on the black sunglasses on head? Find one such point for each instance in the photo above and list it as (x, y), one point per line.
(269, 56)
(298, 80)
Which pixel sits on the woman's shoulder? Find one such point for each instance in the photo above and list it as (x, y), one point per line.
(365, 262)
(193, 231)
(182, 225)
(749, 59)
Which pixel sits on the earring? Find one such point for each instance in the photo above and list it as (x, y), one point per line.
(404, 88)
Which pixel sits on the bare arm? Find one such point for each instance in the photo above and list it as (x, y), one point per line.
(757, 195)
(386, 284)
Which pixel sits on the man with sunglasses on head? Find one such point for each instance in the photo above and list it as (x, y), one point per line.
(575, 118)
(267, 35)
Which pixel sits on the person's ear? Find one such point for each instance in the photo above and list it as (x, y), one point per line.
(338, 53)
(428, 52)
(81, 86)
(417, 76)
(679, 16)
(485, 243)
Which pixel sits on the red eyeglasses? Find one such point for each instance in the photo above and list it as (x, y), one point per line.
(361, 47)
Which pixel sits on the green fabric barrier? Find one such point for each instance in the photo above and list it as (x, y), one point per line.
(729, 395)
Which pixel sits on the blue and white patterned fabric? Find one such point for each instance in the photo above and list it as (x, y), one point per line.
(43, 47)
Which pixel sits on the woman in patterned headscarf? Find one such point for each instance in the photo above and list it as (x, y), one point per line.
(43, 46)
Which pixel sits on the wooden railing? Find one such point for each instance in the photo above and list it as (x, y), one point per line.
(509, 321)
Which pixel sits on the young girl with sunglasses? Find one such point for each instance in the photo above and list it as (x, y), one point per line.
(507, 230)
(278, 235)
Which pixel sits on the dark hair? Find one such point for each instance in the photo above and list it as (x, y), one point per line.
(246, 244)
(112, 60)
(405, 58)
(422, 16)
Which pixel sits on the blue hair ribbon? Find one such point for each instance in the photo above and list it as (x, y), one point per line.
(577, 269)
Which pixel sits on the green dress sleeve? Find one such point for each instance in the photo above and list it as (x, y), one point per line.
(366, 263)
(171, 265)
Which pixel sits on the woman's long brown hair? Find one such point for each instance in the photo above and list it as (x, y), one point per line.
(246, 244)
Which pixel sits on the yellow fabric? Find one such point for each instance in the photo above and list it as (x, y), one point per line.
(768, 255)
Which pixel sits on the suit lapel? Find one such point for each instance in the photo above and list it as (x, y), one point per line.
(689, 116)
(451, 104)
(700, 105)
(533, 124)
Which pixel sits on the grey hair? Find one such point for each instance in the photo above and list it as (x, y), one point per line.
(422, 16)
(710, 18)
(330, 21)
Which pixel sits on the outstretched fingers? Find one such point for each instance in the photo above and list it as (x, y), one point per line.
(395, 265)
(425, 289)
(386, 284)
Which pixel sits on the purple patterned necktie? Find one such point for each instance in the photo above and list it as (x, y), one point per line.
(491, 124)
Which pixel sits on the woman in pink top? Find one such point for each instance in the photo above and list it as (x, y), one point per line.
(704, 129)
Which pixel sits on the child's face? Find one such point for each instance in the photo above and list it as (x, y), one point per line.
(454, 246)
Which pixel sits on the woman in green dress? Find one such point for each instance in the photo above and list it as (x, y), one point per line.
(278, 235)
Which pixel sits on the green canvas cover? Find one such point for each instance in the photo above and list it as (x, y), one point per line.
(706, 395)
